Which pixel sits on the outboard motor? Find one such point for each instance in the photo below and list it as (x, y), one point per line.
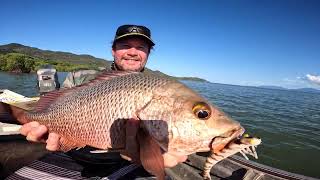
(47, 79)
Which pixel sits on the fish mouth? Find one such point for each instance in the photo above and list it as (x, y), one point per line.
(221, 141)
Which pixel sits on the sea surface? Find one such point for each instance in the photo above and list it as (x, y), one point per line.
(287, 121)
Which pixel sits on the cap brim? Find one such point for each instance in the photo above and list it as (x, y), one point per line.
(136, 34)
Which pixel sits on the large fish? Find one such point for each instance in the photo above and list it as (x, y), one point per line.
(173, 118)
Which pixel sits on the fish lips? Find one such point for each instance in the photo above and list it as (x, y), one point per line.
(220, 142)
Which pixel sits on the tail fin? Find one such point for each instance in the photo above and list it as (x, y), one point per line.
(13, 107)
(19, 114)
(6, 114)
(11, 114)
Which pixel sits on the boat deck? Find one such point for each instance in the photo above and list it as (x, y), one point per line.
(17, 153)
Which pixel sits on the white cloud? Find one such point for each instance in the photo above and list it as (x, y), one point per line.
(313, 79)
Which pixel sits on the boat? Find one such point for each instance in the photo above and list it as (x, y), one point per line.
(19, 154)
(233, 167)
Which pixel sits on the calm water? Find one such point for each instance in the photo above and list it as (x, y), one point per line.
(288, 122)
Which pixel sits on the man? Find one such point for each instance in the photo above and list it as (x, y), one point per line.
(131, 48)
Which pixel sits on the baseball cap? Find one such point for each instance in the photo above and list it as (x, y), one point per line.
(133, 30)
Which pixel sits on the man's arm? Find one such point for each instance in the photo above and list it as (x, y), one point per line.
(79, 77)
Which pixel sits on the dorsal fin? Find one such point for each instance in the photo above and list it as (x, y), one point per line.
(107, 75)
(51, 97)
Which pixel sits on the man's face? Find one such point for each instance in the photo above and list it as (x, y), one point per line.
(131, 54)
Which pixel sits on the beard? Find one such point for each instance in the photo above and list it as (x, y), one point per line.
(129, 64)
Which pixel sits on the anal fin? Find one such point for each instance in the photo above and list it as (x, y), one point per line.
(105, 151)
(150, 155)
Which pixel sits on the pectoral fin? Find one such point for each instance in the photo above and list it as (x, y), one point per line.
(150, 155)
(132, 144)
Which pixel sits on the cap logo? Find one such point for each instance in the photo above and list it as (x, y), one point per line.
(134, 30)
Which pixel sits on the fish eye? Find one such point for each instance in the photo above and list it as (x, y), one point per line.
(201, 110)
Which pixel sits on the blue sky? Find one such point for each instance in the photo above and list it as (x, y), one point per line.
(274, 42)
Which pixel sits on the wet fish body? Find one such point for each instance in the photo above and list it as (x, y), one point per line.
(176, 118)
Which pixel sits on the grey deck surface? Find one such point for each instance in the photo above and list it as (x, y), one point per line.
(17, 153)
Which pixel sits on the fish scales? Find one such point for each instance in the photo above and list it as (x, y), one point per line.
(86, 115)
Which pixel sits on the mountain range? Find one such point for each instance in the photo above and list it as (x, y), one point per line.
(310, 90)
(70, 57)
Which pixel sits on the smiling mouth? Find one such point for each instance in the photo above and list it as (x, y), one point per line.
(131, 59)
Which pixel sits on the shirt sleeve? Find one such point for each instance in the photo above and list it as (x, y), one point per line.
(79, 77)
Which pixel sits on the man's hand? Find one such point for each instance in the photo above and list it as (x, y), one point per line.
(37, 133)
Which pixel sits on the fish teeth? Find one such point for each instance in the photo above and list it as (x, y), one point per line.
(249, 151)
(246, 150)
(254, 152)
(244, 155)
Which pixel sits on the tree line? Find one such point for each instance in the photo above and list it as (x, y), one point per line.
(18, 62)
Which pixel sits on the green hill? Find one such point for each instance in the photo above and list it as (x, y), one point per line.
(52, 55)
(19, 58)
